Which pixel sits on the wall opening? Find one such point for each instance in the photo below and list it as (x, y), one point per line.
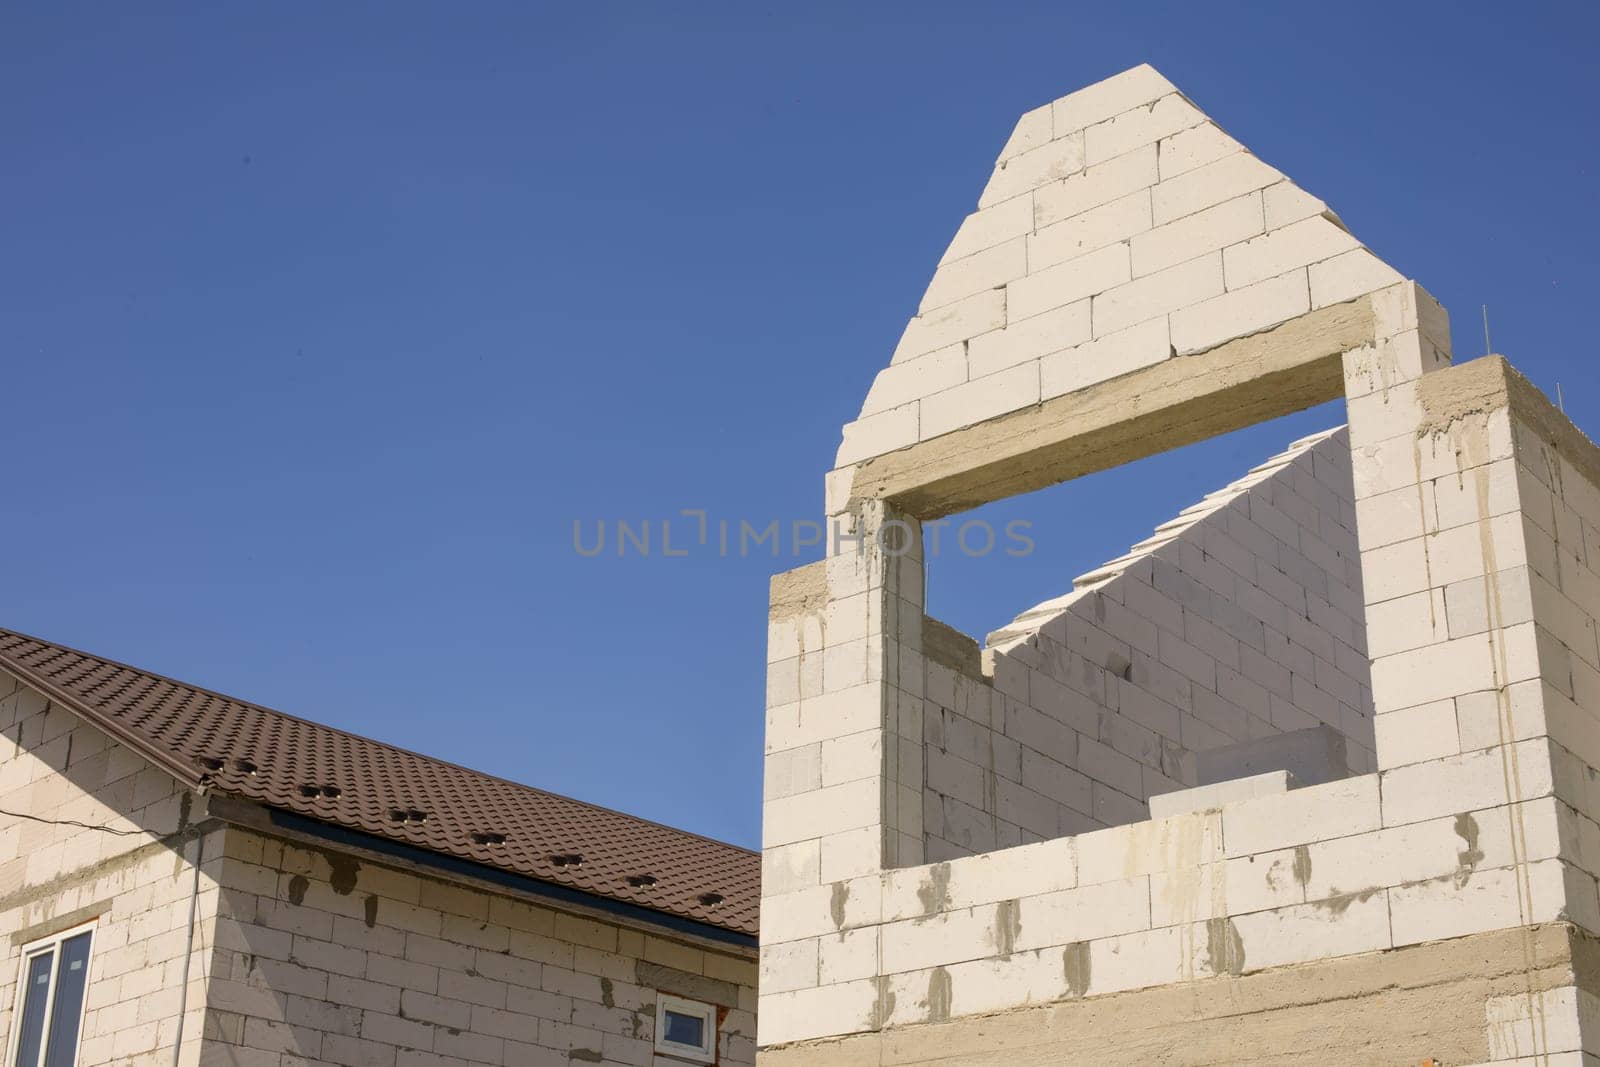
(1237, 618)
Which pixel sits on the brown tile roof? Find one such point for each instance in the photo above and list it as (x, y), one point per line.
(244, 750)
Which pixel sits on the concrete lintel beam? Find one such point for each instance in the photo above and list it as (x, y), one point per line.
(1176, 402)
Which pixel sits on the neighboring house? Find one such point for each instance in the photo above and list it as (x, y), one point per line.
(1309, 776)
(186, 878)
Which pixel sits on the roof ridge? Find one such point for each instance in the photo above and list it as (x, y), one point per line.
(10, 664)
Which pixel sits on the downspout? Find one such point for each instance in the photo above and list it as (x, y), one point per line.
(188, 948)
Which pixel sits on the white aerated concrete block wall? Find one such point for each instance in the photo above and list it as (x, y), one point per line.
(1238, 619)
(302, 955)
(319, 958)
(843, 781)
(1481, 815)
(1320, 872)
(1121, 228)
(137, 882)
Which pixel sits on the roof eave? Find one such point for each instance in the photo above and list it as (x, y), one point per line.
(187, 774)
(250, 814)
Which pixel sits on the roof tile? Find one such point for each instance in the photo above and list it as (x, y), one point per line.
(245, 750)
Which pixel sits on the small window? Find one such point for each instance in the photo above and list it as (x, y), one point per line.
(50, 995)
(686, 1028)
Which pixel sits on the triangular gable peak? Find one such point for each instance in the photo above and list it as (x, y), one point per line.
(1121, 228)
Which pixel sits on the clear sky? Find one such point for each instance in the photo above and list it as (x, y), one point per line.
(322, 323)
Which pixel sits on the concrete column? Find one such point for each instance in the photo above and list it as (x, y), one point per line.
(1477, 629)
(844, 765)
(1417, 671)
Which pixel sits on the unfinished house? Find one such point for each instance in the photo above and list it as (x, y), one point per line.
(1309, 775)
(186, 878)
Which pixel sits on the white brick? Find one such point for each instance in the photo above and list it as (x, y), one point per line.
(1049, 162)
(979, 400)
(852, 853)
(1142, 959)
(1531, 1027)
(791, 868)
(943, 938)
(1206, 797)
(1387, 518)
(1194, 147)
(1519, 596)
(1450, 668)
(1315, 813)
(1485, 491)
(792, 771)
(1109, 98)
(951, 324)
(1138, 127)
(1473, 780)
(1414, 735)
(1224, 179)
(1348, 276)
(1521, 711)
(988, 269)
(1083, 914)
(1295, 245)
(1239, 313)
(1156, 294)
(1033, 129)
(822, 910)
(792, 965)
(1287, 202)
(828, 715)
(1489, 900)
(848, 956)
(901, 383)
(1400, 571)
(1141, 848)
(1304, 932)
(1397, 358)
(1260, 882)
(1067, 283)
(1099, 184)
(1193, 235)
(821, 812)
(1092, 229)
(1027, 340)
(1452, 847)
(853, 756)
(808, 1013)
(876, 434)
(990, 227)
(1027, 870)
(1503, 543)
(1104, 358)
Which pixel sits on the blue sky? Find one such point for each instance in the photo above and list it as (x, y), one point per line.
(322, 323)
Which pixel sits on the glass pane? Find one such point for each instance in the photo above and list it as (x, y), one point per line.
(37, 976)
(686, 1029)
(67, 1011)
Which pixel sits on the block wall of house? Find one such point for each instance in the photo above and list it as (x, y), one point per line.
(1121, 228)
(1473, 496)
(1239, 619)
(322, 958)
(137, 882)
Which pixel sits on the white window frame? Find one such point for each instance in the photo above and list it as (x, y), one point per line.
(706, 1053)
(29, 951)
